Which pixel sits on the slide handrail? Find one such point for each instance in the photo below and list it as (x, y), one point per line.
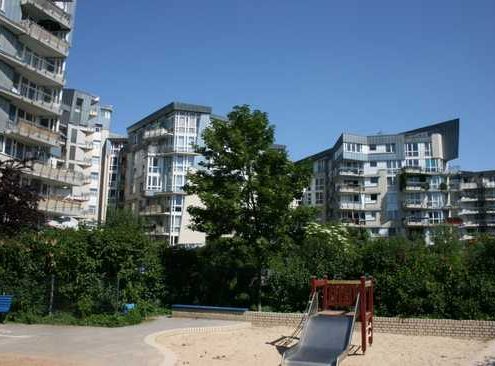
(311, 308)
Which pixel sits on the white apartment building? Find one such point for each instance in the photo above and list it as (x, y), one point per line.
(160, 153)
(85, 126)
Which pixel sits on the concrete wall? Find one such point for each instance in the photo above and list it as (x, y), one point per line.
(475, 329)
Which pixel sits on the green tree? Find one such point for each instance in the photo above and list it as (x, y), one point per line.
(247, 186)
(18, 203)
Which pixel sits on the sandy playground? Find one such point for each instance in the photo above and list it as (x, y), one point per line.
(252, 346)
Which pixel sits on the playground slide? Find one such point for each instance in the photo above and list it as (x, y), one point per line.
(324, 340)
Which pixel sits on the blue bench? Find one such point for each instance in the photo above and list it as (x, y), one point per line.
(5, 303)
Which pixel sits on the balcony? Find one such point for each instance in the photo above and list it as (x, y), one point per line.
(350, 188)
(352, 172)
(469, 199)
(154, 210)
(60, 206)
(469, 185)
(59, 176)
(87, 129)
(422, 171)
(84, 162)
(469, 212)
(46, 9)
(30, 131)
(35, 68)
(421, 222)
(413, 204)
(85, 145)
(42, 41)
(32, 100)
(351, 206)
(164, 150)
(156, 133)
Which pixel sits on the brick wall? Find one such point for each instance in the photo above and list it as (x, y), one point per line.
(475, 329)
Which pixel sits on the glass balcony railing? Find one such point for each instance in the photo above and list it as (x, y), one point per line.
(156, 133)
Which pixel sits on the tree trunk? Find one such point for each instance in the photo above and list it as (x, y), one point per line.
(52, 292)
(260, 284)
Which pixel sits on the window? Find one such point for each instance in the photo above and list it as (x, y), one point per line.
(427, 149)
(79, 103)
(94, 176)
(319, 184)
(412, 162)
(391, 181)
(374, 180)
(353, 147)
(372, 147)
(390, 148)
(373, 164)
(92, 210)
(432, 165)
(319, 198)
(73, 135)
(393, 166)
(95, 160)
(373, 197)
(72, 153)
(412, 149)
(93, 192)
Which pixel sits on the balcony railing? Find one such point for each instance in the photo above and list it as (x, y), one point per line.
(60, 175)
(156, 133)
(350, 205)
(34, 132)
(418, 221)
(34, 63)
(350, 188)
(60, 206)
(469, 185)
(37, 32)
(154, 210)
(85, 145)
(52, 10)
(351, 171)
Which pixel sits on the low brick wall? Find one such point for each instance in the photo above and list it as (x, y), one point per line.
(475, 329)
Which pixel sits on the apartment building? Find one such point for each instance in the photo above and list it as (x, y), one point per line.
(160, 153)
(112, 175)
(35, 37)
(84, 127)
(474, 202)
(387, 184)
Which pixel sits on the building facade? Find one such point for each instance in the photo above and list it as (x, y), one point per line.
(161, 152)
(388, 184)
(112, 175)
(474, 202)
(35, 36)
(84, 127)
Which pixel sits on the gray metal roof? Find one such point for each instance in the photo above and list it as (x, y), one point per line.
(169, 108)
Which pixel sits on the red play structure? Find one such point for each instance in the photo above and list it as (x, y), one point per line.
(333, 295)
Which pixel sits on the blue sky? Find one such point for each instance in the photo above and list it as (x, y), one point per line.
(319, 67)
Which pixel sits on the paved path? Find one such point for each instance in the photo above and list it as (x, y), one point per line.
(92, 345)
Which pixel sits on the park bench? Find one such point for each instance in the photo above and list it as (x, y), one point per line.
(5, 303)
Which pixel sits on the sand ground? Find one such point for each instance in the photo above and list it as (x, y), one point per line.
(252, 347)
(12, 359)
